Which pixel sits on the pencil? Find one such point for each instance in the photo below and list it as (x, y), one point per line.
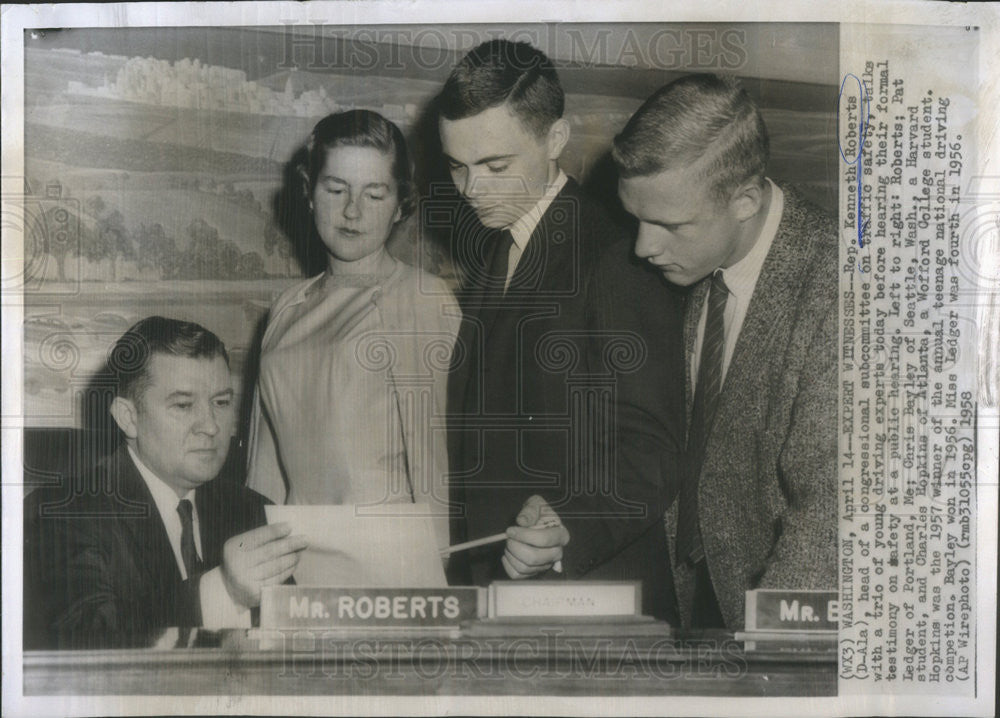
(472, 544)
(546, 523)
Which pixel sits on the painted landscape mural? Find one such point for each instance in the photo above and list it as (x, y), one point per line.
(158, 165)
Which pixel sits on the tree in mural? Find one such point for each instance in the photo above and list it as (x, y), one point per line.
(275, 240)
(201, 258)
(114, 239)
(208, 256)
(250, 266)
(229, 259)
(108, 239)
(155, 249)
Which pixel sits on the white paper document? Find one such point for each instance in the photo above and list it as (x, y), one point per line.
(352, 547)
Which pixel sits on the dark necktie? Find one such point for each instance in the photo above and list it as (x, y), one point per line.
(189, 554)
(497, 273)
(706, 399)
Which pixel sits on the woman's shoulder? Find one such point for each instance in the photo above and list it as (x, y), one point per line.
(419, 298)
(421, 285)
(293, 294)
(290, 297)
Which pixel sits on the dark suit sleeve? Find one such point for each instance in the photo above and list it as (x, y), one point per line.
(98, 597)
(805, 554)
(635, 340)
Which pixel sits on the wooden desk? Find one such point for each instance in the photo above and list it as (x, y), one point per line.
(542, 661)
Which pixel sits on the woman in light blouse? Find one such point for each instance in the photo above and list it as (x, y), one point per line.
(350, 402)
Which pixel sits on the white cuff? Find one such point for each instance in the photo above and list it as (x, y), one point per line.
(218, 609)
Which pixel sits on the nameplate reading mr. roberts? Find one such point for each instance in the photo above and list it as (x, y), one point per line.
(317, 607)
(780, 610)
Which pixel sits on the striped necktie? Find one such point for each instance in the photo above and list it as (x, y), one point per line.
(497, 279)
(706, 399)
(189, 554)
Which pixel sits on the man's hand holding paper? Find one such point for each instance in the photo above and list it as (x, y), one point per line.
(264, 556)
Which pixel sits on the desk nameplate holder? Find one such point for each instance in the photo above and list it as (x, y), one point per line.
(302, 618)
(580, 608)
(318, 607)
(504, 607)
(563, 599)
(778, 619)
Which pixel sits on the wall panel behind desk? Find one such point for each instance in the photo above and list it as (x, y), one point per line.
(159, 161)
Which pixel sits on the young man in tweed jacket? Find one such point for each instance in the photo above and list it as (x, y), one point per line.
(757, 487)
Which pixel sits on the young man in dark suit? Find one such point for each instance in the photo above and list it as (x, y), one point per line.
(150, 539)
(757, 496)
(526, 259)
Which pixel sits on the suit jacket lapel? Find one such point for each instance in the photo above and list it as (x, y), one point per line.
(471, 332)
(221, 514)
(490, 300)
(547, 254)
(772, 302)
(532, 270)
(476, 290)
(551, 260)
(546, 264)
(538, 261)
(769, 305)
(525, 277)
(148, 535)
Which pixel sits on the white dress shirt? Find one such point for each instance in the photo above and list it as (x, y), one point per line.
(740, 279)
(218, 609)
(522, 229)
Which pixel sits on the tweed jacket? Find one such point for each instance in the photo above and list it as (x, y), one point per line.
(767, 495)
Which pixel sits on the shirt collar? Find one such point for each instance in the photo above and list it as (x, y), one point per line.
(742, 277)
(164, 497)
(523, 227)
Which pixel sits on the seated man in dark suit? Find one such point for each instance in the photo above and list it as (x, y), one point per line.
(757, 496)
(149, 539)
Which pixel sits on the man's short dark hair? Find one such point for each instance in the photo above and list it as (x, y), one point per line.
(129, 358)
(501, 72)
(705, 119)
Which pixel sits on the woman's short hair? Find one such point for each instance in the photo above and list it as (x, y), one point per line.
(704, 119)
(131, 354)
(501, 72)
(360, 128)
